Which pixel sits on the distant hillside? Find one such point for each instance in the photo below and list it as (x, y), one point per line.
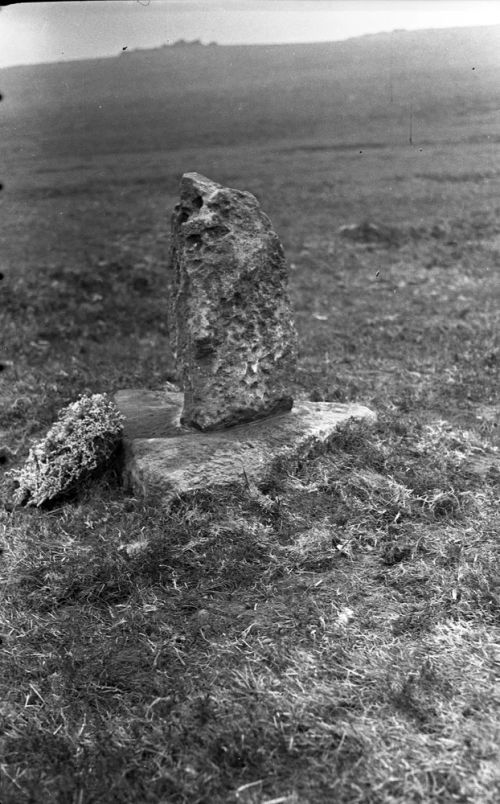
(363, 89)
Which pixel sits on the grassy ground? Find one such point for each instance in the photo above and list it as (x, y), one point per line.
(332, 637)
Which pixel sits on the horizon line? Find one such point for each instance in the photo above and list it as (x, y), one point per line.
(197, 42)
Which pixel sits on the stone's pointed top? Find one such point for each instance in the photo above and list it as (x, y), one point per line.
(195, 181)
(195, 188)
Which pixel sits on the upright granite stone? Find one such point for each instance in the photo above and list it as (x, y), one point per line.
(232, 332)
(230, 321)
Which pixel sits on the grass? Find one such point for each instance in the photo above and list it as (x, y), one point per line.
(332, 636)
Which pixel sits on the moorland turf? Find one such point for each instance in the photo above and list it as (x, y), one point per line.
(334, 636)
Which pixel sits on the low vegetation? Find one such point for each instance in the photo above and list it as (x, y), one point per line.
(331, 636)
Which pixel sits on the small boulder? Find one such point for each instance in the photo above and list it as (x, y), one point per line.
(369, 232)
(82, 439)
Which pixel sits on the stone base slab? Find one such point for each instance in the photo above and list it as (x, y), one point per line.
(166, 459)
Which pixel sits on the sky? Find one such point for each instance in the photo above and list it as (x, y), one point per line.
(31, 33)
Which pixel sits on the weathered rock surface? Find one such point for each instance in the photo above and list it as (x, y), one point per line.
(164, 458)
(230, 321)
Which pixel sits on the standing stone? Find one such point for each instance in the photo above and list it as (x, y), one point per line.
(230, 320)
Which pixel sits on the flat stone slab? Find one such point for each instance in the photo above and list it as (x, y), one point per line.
(167, 459)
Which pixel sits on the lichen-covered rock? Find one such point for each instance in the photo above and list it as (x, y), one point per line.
(230, 320)
(83, 438)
